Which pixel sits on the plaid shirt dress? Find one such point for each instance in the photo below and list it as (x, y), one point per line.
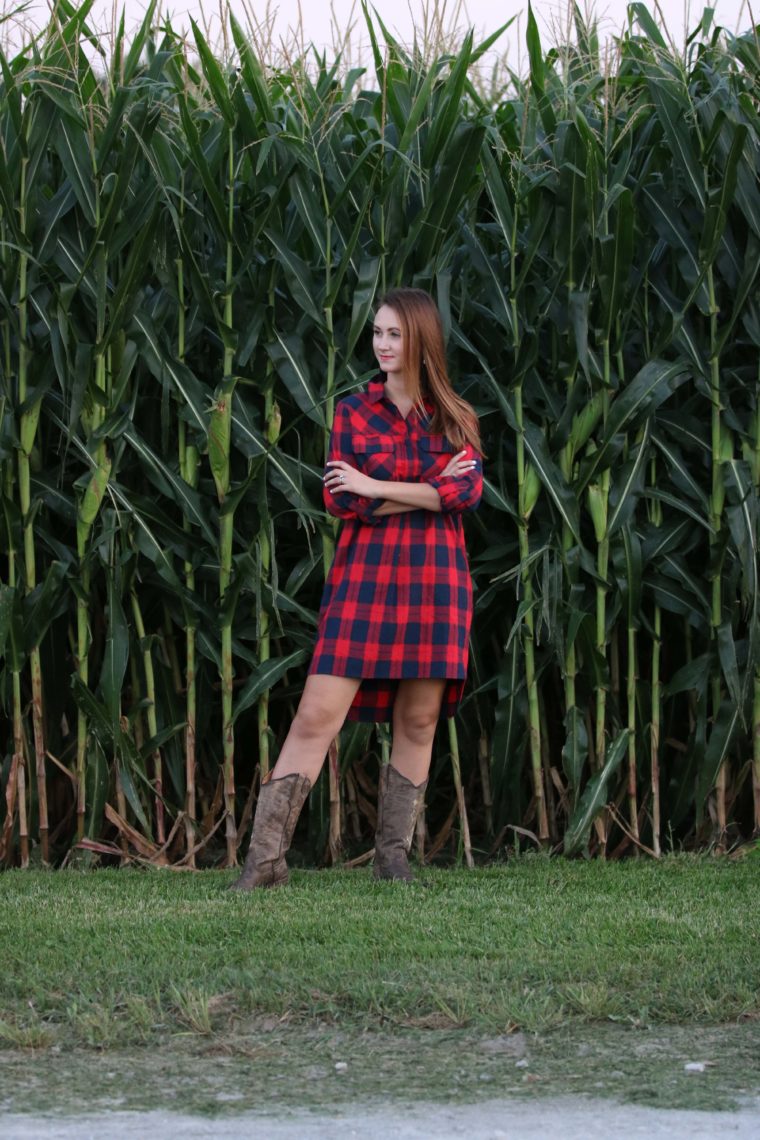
(397, 602)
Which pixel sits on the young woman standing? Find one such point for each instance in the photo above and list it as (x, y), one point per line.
(404, 463)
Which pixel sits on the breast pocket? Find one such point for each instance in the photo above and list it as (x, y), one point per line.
(375, 455)
(435, 452)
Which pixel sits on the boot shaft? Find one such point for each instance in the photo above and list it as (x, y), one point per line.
(399, 804)
(277, 811)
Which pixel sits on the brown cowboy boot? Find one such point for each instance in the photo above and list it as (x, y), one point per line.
(277, 812)
(399, 803)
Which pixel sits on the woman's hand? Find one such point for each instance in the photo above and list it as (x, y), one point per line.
(459, 465)
(343, 477)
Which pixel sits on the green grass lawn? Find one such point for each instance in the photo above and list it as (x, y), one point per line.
(127, 957)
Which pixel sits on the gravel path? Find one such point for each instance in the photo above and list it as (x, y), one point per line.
(568, 1118)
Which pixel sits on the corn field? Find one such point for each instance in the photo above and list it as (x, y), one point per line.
(190, 248)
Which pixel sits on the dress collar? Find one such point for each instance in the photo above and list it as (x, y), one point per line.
(376, 392)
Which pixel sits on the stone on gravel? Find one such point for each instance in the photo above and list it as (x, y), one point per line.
(513, 1044)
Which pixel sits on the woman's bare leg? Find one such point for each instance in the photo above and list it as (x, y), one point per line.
(415, 715)
(319, 718)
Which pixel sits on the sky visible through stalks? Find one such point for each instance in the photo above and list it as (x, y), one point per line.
(288, 24)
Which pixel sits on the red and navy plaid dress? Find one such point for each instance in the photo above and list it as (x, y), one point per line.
(398, 599)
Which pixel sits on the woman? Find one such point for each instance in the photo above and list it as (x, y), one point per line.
(393, 633)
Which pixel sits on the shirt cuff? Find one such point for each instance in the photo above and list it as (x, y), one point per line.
(448, 492)
(362, 507)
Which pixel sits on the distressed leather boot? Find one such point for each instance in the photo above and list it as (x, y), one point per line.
(399, 803)
(277, 812)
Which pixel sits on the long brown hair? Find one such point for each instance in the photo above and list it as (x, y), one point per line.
(425, 368)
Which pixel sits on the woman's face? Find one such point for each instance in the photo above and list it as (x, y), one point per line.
(388, 341)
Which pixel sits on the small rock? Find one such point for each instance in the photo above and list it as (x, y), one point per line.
(521, 1064)
(341, 1066)
(511, 1043)
(485, 1077)
(695, 1067)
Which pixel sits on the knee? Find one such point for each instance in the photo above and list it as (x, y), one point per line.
(417, 723)
(313, 721)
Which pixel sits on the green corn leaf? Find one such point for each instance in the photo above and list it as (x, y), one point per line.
(161, 363)
(629, 564)
(448, 105)
(496, 497)
(650, 387)
(615, 262)
(670, 596)
(44, 604)
(672, 110)
(418, 109)
(509, 724)
(173, 485)
(115, 656)
(127, 294)
(73, 150)
(628, 485)
(288, 355)
(645, 20)
(205, 172)
(252, 72)
(364, 295)
(311, 210)
(551, 477)
(264, 678)
(214, 77)
(716, 215)
(131, 795)
(574, 751)
(578, 304)
(496, 186)
(499, 304)
(97, 781)
(680, 472)
(694, 675)
(729, 663)
(718, 747)
(139, 39)
(96, 712)
(306, 291)
(595, 796)
(535, 53)
(9, 643)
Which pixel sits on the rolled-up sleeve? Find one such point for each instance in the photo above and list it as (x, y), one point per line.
(460, 492)
(344, 504)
